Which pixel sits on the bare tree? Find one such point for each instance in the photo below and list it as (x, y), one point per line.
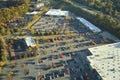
(52, 50)
(22, 64)
(10, 76)
(39, 77)
(61, 55)
(39, 59)
(12, 64)
(53, 64)
(26, 71)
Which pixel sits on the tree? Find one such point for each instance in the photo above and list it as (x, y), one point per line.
(42, 33)
(66, 32)
(32, 31)
(0, 70)
(22, 33)
(61, 55)
(39, 59)
(6, 14)
(2, 40)
(35, 17)
(22, 64)
(29, 49)
(56, 44)
(4, 59)
(51, 33)
(68, 71)
(2, 31)
(115, 12)
(8, 32)
(44, 52)
(20, 30)
(52, 51)
(35, 52)
(25, 1)
(39, 77)
(37, 42)
(10, 75)
(3, 50)
(26, 71)
(12, 64)
(53, 64)
(25, 55)
(56, 32)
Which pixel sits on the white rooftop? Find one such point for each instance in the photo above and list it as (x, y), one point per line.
(88, 24)
(106, 60)
(57, 12)
(33, 13)
(30, 42)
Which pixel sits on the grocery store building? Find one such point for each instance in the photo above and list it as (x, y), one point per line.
(106, 61)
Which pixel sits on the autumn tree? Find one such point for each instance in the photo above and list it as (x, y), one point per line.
(8, 32)
(37, 42)
(32, 31)
(10, 75)
(3, 50)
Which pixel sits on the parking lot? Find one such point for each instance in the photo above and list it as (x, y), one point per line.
(60, 59)
(49, 23)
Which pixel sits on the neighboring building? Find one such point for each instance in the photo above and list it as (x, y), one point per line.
(19, 48)
(57, 12)
(32, 13)
(89, 25)
(106, 61)
(38, 5)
